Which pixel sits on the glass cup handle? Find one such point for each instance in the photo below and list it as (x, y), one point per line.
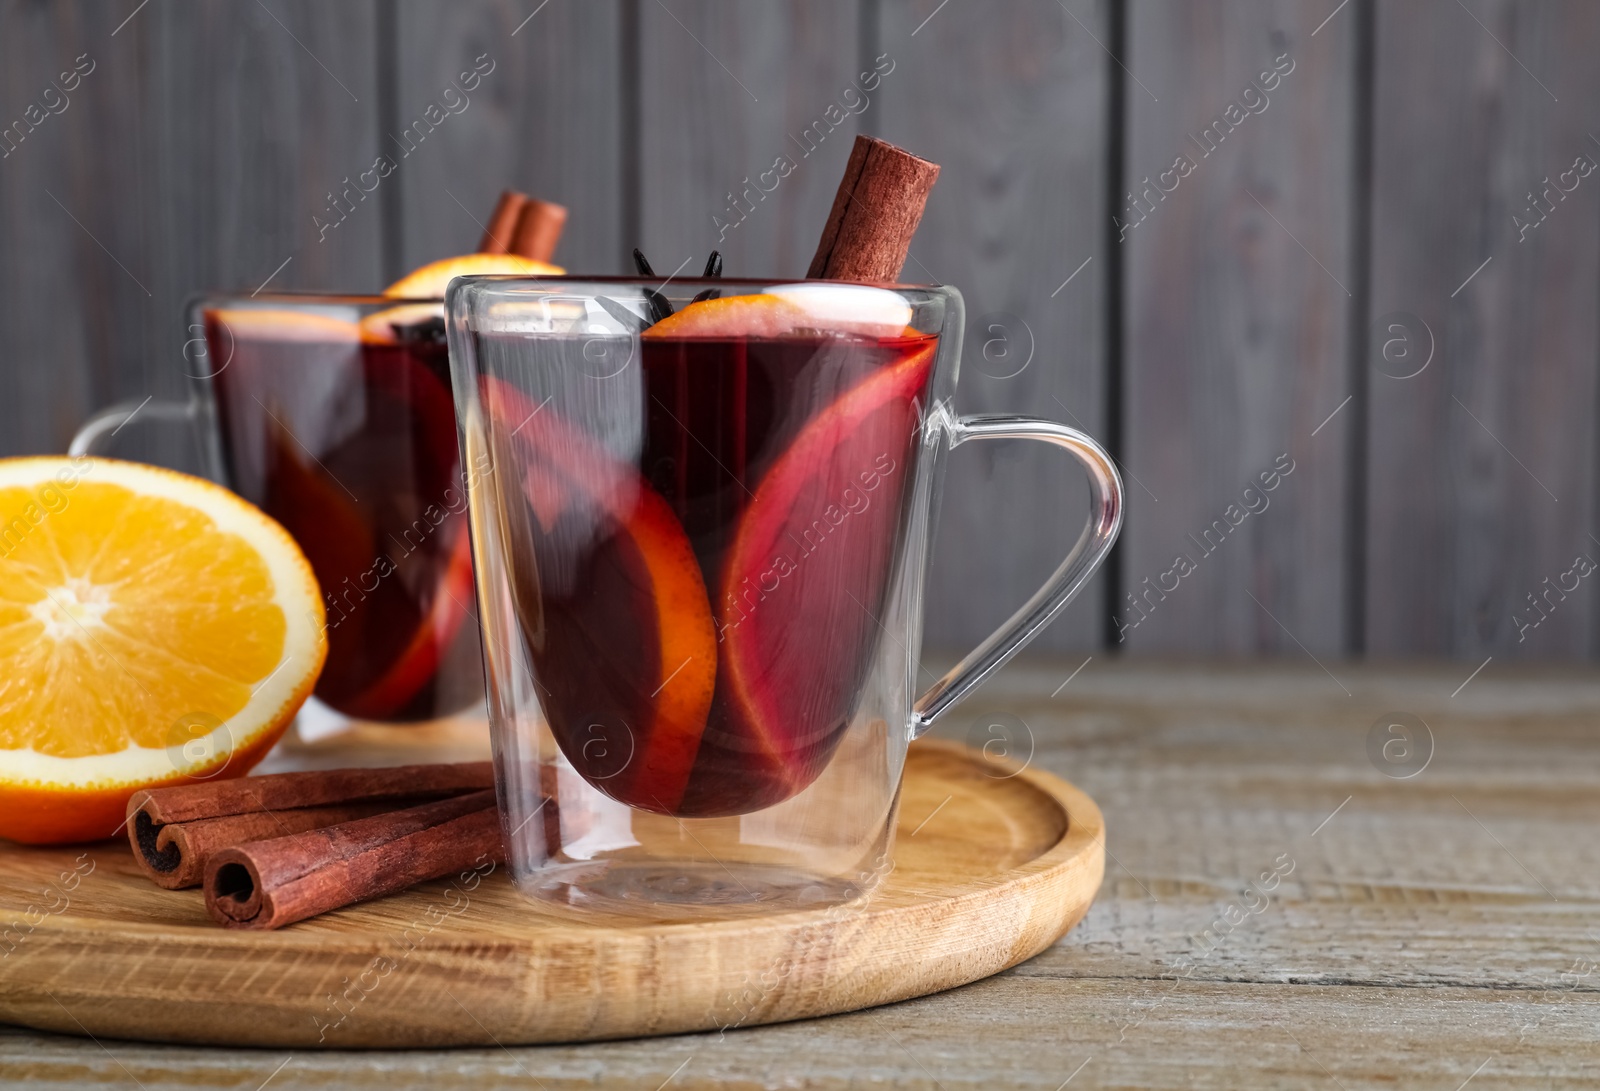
(1105, 520)
(94, 438)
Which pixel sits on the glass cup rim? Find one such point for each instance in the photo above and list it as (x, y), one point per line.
(658, 282)
(360, 299)
(467, 298)
(212, 298)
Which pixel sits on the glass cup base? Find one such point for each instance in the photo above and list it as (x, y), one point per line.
(694, 888)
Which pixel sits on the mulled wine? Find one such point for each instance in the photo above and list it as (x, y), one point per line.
(338, 421)
(702, 544)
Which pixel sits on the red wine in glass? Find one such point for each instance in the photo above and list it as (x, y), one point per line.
(338, 422)
(700, 560)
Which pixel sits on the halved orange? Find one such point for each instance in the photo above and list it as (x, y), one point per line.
(154, 628)
(430, 281)
(612, 600)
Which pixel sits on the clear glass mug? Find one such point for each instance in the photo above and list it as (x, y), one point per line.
(701, 517)
(333, 414)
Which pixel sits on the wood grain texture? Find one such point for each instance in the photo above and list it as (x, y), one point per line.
(1239, 289)
(1414, 942)
(1014, 864)
(1482, 478)
(724, 92)
(1006, 1032)
(1019, 207)
(547, 121)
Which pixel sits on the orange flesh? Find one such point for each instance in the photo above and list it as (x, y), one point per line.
(111, 621)
(128, 614)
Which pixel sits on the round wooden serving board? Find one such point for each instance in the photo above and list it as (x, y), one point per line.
(989, 871)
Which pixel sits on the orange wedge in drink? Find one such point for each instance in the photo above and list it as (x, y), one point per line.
(790, 667)
(154, 629)
(793, 308)
(652, 715)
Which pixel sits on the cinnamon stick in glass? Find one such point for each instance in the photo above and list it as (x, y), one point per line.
(875, 212)
(502, 226)
(174, 830)
(538, 229)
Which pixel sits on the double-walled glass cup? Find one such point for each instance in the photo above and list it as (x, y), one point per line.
(701, 515)
(333, 414)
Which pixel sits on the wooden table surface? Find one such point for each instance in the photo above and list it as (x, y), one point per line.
(1427, 931)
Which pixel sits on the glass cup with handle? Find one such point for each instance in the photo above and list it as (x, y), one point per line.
(701, 516)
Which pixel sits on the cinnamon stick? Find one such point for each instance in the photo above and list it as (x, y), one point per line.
(875, 212)
(538, 229)
(174, 855)
(502, 225)
(268, 884)
(174, 830)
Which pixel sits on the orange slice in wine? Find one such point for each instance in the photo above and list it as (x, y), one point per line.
(415, 667)
(804, 586)
(389, 572)
(731, 316)
(611, 598)
(280, 324)
(793, 308)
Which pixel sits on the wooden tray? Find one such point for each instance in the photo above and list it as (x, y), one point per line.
(989, 872)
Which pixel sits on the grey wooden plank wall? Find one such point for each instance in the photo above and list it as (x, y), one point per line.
(1019, 206)
(1481, 475)
(189, 153)
(1236, 325)
(1220, 236)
